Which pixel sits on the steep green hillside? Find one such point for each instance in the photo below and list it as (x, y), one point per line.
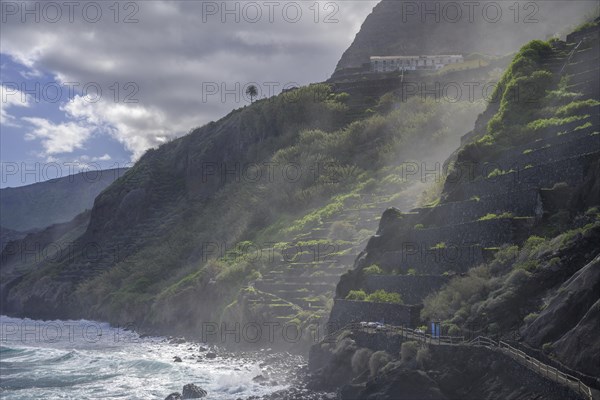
(54, 201)
(178, 235)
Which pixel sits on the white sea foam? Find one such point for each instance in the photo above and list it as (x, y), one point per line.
(90, 360)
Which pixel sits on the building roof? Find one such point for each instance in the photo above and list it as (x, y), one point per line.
(411, 57)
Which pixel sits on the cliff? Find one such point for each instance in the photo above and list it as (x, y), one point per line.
(514, 227)
(415, 28)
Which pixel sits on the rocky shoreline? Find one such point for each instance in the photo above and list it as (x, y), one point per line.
(276, 368)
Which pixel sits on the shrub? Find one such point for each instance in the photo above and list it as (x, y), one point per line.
(411, 272)
(381, 296)
(408, 351)
(358, 295)
(529, 318)
(552, 122)
(504, 258)
(575, 107)
(488, 217)
(486, 140)
(423, 357)
(529, 265)
(419, 226)
(378, 360)
(454, 330)
(517, 278)
(373, 270)
(457, 293)
(360, 360)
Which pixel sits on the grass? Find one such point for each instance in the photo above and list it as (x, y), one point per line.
(488, 217)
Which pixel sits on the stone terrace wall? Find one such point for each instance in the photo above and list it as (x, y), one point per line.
(427, 261)
(524, 203)
(345, 312)
(571, 171)
(485, 233)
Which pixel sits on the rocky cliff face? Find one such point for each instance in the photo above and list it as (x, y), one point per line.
(422, 27)
(516, 222)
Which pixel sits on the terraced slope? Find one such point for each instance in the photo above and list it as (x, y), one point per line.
(529, 168)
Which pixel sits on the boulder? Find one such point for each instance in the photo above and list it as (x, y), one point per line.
(191, 391)
(174, 396)
(176, 359)
(211, 355)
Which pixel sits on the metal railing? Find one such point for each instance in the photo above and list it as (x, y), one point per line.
(519, 356)
(547, 371)
(570, 57)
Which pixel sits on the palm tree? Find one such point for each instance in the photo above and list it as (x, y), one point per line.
(252, 92)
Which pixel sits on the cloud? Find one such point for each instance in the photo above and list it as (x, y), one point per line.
(57, 138)
(86, 158)
(135, 126)
(11, 97)
(163, 60)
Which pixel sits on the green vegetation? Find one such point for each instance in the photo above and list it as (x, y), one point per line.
(488, 217)
(373, 270)
(585, 25)
(529, 318)
(544, 123)
(408, 351)
(498, 172)
(379, 296)
(252, 92)
(584, 126)
(522, 87)
(503, 283)
(574, 108)
(358, 295)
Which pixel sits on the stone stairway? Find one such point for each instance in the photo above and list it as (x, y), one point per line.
(307, 279)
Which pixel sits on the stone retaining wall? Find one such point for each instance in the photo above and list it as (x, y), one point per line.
(524, 203)
(571, 171)
(345, 312)
(457, 259)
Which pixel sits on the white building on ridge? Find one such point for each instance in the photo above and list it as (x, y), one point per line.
(412, 63)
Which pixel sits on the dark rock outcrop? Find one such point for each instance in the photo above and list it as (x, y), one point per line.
(571, 319)
(397, 384)
(191, 391)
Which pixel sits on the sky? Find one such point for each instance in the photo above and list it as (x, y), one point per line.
(90, 85)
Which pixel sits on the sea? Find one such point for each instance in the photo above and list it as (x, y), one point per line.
(92, 360)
